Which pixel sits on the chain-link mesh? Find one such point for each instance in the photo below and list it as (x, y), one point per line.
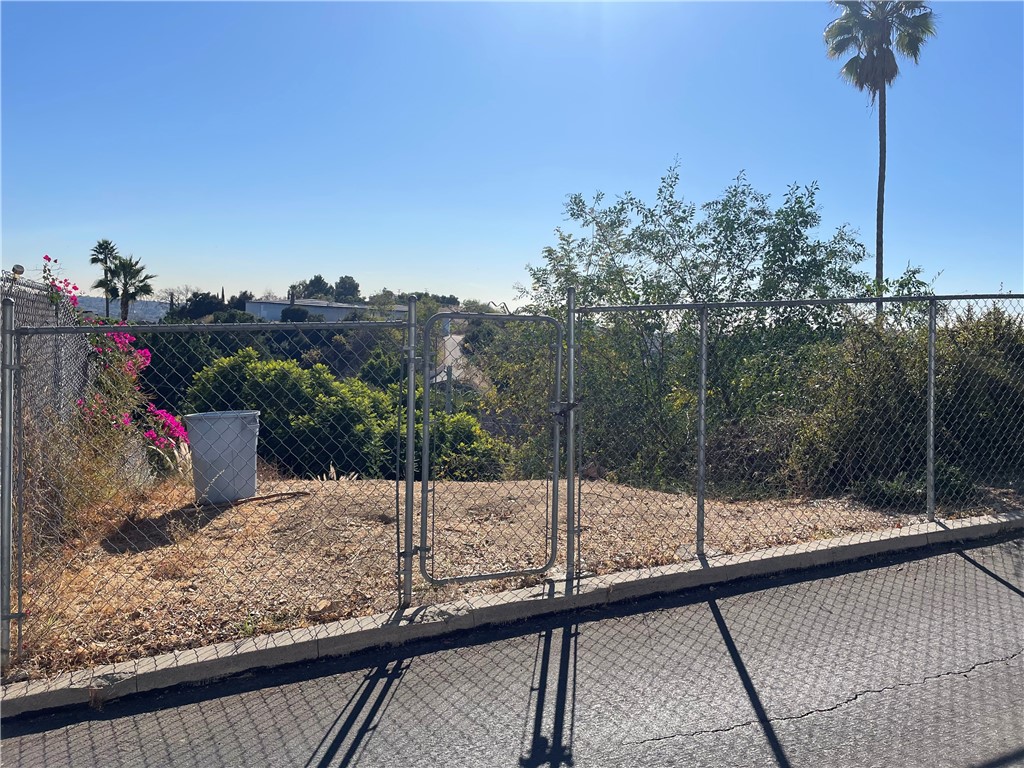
(144, 526)
(815, 424)
(979, 406)
(493, 441)
(53, 371)
(636, 384)
(160, 512)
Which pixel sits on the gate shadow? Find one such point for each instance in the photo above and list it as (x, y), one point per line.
(555, 749)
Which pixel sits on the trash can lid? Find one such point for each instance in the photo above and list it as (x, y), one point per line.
(220, 414)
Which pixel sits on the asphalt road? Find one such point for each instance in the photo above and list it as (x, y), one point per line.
(914, 662)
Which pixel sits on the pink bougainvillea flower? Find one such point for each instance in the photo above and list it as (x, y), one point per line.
(46, 257)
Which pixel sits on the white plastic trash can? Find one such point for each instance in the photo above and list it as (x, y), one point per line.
(223, 445)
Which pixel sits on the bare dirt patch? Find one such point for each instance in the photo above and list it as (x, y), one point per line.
(173, 576)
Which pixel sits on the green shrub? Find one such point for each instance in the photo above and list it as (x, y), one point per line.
(294, 314)
(909, 492)
(748, 459)
(462, 450)
(865, 429)
(309, 420)
(980, 395)
(866, 419)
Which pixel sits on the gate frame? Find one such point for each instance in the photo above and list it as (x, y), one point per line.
(556, 409)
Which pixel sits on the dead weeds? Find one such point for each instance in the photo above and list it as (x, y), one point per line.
(172, 575)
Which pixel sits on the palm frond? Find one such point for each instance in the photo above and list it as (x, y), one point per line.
(851, 72)
(108, 286)
(851, 7)
(840, 45)
(913, 32)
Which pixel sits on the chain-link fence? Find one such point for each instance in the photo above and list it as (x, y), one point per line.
(179, 486)
(724, 429)
(53, 370)
(206, 483)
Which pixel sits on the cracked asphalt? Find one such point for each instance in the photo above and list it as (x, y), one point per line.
(913, 661)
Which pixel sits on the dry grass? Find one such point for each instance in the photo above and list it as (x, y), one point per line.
(171, 575)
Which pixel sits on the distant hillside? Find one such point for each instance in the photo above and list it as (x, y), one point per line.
(140, 311)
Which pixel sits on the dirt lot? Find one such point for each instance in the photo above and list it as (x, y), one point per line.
(175, 576)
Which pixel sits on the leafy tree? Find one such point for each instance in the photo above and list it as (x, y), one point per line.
(104, 253)
(316, 288)
(346, 290)
(875, 32)
(238, 302)
(126, 280)
(380, 304)
(197, 306)
(427, 304)
(479, 307)
(733, 248)
(175, 296)
(639, 372)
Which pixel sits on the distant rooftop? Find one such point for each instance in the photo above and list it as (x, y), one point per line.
(322, 303)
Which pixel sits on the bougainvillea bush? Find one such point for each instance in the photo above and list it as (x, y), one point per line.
(95, 462)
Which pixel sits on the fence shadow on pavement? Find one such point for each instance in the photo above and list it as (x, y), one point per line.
(870, 662)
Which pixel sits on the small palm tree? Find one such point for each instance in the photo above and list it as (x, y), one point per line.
(875, 32)
(126, 280)
(104, 253)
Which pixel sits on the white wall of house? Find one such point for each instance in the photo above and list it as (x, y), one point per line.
(332, 312)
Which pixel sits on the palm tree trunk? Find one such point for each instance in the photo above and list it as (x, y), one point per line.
(124, 307)
(106, 293)
(880, 208)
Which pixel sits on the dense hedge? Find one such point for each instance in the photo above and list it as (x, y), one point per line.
(311, 421)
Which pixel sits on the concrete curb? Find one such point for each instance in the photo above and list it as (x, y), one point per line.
(102, 684)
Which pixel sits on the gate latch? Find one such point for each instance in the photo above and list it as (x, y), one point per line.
(561, 410)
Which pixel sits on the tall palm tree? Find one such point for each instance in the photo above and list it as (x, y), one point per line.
(875, 32)
(104, 253)
(126, 280)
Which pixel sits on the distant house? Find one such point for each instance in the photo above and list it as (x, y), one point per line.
(332, 312)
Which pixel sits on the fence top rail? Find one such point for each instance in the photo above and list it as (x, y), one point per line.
(82, 330)
(795, 303)
(492, 316)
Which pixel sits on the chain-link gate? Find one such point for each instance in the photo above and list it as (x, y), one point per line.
(705, 430)
(491, 445)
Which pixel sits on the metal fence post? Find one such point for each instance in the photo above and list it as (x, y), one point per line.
(702, 392)
(570, 447)
(410, 452)
(6, 478)
(931, 409)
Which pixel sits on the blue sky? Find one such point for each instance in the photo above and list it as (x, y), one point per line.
(431, 146)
